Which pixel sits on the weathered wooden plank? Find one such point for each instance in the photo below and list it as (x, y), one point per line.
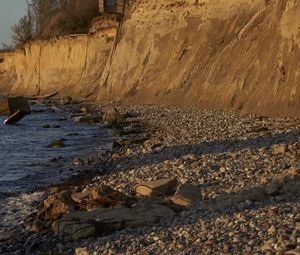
(15, 107)
(15, 117)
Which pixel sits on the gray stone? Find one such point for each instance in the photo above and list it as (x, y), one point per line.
(57, 144)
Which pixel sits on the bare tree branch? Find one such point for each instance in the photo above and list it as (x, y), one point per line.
(48, 18)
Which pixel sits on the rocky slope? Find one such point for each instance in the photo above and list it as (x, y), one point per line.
(234, 54)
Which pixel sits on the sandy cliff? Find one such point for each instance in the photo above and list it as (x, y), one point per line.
(227, 54)
(71, 65)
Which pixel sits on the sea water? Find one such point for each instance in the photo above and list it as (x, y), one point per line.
(26, 162)
(25, 159)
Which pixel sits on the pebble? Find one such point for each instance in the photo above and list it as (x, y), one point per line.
(227, 155)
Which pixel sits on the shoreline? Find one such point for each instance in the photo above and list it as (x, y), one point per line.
(220, 152)
(54, 121)
(22, 203)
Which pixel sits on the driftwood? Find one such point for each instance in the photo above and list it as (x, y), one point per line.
(44, 97)
(47, 96)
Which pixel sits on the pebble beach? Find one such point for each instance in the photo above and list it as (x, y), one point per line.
(219, 152)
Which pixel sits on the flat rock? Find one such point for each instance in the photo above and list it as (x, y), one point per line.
(186, 195)
(78, 225)
(160, 187)
(75, 230)
(107, 194)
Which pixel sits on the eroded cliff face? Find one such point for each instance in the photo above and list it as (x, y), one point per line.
(70, 65)
(227, 54)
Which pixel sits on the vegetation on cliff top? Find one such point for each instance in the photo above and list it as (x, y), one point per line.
(49, 18)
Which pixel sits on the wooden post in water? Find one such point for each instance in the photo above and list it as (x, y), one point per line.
(18, 103)
(15, 107)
